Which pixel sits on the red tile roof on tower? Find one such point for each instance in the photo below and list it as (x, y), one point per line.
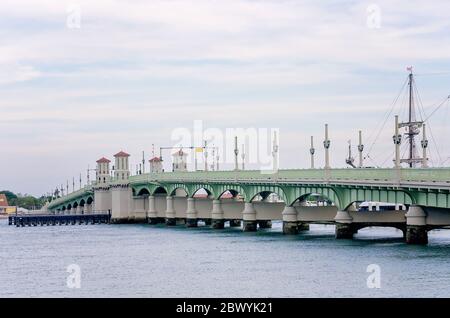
(155, 159)
(103, 160)
(121, 154)
(3, 200)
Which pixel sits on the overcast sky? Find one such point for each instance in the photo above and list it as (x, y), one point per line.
(127, 73)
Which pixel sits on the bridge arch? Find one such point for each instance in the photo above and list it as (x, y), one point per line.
(294, 193)
(82, 202)
(399, 226)
(234, 189)
(172, 189)
(264, 191)
(396, 196)
(314, 197)
(89, 200)
(159, 190)
(231, 192)
(209, 190)
(143, 192)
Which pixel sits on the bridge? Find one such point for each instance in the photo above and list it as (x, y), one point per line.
(419, 196)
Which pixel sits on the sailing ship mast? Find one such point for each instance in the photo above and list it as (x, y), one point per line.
(413, 126)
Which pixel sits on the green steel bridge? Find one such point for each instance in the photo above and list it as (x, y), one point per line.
(428, 187)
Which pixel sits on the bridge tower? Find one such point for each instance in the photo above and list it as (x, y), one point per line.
(102, 175)
(102, 196)
(121, 194)
(179, 161)
(122, 171)
(156, 165)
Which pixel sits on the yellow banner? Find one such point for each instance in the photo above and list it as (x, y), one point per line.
(10, 210)
(199, 149)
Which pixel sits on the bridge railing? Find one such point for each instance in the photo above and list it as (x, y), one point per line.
(71, 196)
(349, 174)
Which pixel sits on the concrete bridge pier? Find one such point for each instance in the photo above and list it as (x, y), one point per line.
(344, 226)
(170, 212)
(140, 214)
(290, 224)
(416, 226)
(249, 217)
(152, 217)
(217, 215)
(191, 213)
(79, 210)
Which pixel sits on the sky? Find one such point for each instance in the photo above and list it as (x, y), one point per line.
(80, 80)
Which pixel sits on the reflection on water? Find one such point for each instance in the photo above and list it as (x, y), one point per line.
(155, 261)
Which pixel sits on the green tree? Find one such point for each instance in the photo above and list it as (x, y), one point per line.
(24, 200)
(10, 196)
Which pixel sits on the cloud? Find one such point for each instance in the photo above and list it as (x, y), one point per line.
(17, 73)
(136, 70)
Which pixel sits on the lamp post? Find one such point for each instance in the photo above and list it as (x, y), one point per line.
(360, 150)
(236, 153)
(312, 151)
(397, 138)
(424, 144)
(326, 145)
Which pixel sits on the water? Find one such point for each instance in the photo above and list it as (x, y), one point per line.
(155, 261)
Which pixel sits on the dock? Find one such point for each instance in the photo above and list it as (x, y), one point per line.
(55, 219)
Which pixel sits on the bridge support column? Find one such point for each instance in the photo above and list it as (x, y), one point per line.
(290, 224)
(416, 226)
(152, 213)
(217, 215)
(344, 231)
(191, 213)
(140, 215)
(121, 203)
(249, 216)
(344, 228)
(265, 224)
(78, 210)
(170, 212)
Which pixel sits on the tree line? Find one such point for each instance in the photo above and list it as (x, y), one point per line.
(25, 200)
